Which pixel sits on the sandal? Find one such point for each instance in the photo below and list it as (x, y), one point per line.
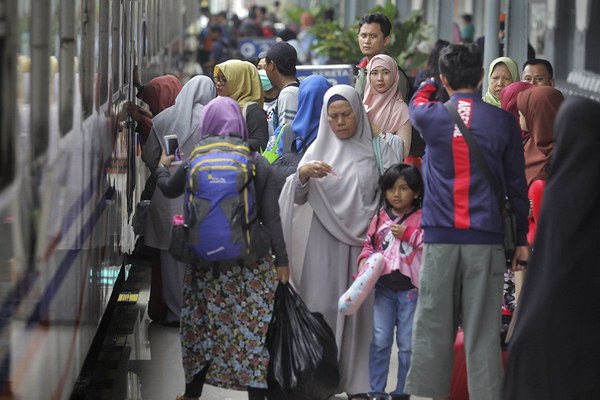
(358, 396)
(182, 396)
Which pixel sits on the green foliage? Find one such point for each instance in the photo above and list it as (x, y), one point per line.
(292, 13)
(341, 43)
(338, 44)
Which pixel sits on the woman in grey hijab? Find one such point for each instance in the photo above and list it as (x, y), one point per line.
(325, 211)
(182, 119)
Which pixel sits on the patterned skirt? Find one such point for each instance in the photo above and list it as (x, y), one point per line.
(224, 321)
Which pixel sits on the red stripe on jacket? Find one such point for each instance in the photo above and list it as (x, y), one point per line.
(462, 168)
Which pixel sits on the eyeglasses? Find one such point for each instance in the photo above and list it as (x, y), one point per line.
(220, 79)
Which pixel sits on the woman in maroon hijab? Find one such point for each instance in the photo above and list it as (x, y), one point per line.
(538, 106)
(508, 99)
(159, 93)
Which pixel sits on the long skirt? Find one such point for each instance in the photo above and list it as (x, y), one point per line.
(224, 322)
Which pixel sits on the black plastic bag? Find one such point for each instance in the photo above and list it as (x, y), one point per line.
(303, 355)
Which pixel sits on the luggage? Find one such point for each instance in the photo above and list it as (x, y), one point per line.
(459, 389)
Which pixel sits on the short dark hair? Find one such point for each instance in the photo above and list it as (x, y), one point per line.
(377, 18)
(467, 17)
(541, 61)
(461, 65)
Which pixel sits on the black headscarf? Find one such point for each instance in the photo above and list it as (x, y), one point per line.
(555, 349)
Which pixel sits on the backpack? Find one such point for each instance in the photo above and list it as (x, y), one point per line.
(220, 203)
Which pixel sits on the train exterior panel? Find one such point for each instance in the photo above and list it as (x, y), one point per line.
(69, 174)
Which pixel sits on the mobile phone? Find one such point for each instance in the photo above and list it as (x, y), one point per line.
(172, 148)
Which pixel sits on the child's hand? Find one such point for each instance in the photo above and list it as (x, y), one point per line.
(361, 264)
(398, 230)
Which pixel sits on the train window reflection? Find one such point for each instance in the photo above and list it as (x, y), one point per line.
(116, 45)
(67, 65)
(103, 46)
(8, 97)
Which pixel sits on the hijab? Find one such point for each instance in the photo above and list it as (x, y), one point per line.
(310, 103)
(161, 93)
(508, 100)
(346, 200)
(223, 117)
(183, 118)
(560, 302)
(539, 106)
(243, 81)
(385, 109)
(490, 97)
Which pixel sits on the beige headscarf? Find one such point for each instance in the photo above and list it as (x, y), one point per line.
(490, 97)
(243, 81)
(344, 203)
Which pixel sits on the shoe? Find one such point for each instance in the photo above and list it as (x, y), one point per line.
(182, 396)
(401, 397)
(172, 324)
(358, 396)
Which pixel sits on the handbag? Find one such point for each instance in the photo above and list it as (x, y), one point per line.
(508, 216)
(179, 244)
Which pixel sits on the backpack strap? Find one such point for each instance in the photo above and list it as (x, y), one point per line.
(245, 109)
(289, 140)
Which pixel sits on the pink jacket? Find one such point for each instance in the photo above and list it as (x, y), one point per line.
(404, 255)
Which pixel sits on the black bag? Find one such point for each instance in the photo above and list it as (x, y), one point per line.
(179, 245)
(303, 361)
(287, 164)
(138, 221)
(509, 219)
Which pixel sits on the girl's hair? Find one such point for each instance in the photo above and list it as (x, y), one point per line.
(414, 180)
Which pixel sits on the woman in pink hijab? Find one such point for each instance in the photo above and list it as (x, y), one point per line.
(385, 107)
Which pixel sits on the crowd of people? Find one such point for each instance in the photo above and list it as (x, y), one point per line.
(355, 193)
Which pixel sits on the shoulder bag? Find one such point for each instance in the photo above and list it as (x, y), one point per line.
(508, 216)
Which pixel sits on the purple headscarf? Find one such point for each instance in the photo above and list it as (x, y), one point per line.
(223, 117)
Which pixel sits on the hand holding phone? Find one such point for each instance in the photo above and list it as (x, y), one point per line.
(172, 148)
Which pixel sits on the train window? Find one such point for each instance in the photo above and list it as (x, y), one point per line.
(8, 93)
(67, 65)
(103, 49)
(88, 52)
(116, 45)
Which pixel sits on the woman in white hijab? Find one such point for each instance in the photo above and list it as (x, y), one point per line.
(325, 211)
(181, 119)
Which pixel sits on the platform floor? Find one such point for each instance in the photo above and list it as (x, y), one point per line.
(141, 359)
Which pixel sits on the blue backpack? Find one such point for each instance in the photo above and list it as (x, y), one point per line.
(220, 202)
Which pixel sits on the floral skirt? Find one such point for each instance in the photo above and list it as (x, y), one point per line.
(224, 322)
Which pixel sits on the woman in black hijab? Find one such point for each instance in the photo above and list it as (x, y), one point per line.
(555, 350)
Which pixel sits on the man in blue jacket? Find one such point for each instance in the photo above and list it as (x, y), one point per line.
(463, 258)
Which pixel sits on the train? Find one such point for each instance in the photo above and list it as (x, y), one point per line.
(69, 174)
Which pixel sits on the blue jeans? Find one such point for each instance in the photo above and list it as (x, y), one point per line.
(391, 310)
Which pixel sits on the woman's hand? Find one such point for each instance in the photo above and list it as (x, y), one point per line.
(165, 160)
(314, 169)
(283, 274)
(519, 262)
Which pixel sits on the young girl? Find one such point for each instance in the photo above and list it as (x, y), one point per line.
(387, 110)
(395, 231)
